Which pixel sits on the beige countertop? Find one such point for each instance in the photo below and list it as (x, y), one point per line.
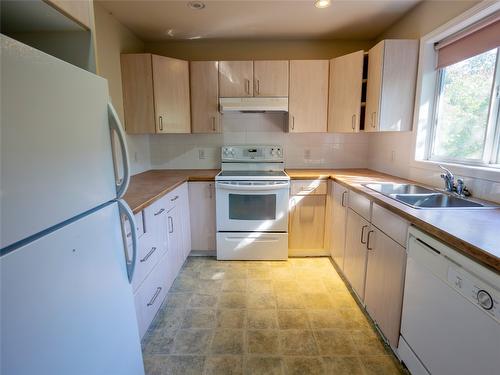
(475, 233)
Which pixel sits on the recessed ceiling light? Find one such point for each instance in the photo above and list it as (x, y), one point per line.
(322, 4)
(196, 5)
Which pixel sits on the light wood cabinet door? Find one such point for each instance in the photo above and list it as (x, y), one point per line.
(385, 283)
(171, 95)
(346, 81)
(308, 96)
(79, 10)
(392, 72)
(355, 254)
(339, 217)
(235, 79)
(374, 86)
(204, 79)
(137, 85)
(202, 215)
(306, 226)
(270, 78)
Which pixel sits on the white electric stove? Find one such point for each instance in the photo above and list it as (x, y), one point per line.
(252, 192)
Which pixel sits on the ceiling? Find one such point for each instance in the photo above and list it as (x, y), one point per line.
(257, 19)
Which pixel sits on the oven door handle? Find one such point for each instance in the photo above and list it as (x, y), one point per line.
(230, 186)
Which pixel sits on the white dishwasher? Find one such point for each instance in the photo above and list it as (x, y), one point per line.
(451, 313)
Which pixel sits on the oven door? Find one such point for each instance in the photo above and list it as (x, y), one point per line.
(252, 206)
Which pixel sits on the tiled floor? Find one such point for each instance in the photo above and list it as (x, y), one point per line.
(293, 317)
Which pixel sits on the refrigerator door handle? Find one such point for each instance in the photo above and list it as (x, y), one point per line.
(125, 210)
(115, 125)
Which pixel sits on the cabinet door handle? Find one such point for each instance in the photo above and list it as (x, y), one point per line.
(363, 233)
(161, 123)
(353, 122)
(343, 198)
(210, 194)
(146, 257)
(174, 198)
(368, 240)
(373, 119)
(159, 212)
(247, 86)
(170, 224)
(213, 123)
(155, 296)
(293, 122)
(258, 87)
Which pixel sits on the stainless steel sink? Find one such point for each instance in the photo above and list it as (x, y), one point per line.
(388, 189)
(421, 197)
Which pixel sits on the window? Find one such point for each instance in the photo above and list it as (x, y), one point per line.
(465, 127)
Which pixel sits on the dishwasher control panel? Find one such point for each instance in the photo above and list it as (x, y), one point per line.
(478, 292)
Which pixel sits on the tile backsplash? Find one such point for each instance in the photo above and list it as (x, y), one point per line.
(302, 150)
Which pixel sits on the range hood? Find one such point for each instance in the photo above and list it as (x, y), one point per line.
(258, 104)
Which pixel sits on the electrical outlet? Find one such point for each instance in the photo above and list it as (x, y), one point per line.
(201, 154)
(307, 154)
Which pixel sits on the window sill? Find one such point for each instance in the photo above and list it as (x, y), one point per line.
(462, 170)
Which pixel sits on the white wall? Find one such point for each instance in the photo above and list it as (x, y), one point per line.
(391, 152)
(305, 150)
(112, 39)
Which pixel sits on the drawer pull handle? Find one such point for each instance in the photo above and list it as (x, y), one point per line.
(174, 198)
(363, 233)
(157, 293)
(159, 212)
(146, 257)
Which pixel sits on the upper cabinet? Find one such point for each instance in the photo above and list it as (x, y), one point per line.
(253, 78)
(79, 10)
(235, 79)
(155, 94)
(270, 78)
(345, 91)
(392, 71)
(308, 96)
(204, 96)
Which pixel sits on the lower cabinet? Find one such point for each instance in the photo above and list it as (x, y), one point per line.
(385, 282)
(339, 196)
(162, 250)
(202, 212)
(357, 229)
(306, 219)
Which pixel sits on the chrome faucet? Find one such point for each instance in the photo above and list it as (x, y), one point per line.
(449, 179)
(450, 186)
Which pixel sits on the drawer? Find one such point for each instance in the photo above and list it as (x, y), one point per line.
(174, 197)
(148, 256)
(308, 187)
(391, 224)
(150, 295)
(139, 227)
(359, 204)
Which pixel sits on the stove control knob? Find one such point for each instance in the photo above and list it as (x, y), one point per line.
(484, 299)
(273, 152)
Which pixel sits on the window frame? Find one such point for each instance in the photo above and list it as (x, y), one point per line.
(491, 143)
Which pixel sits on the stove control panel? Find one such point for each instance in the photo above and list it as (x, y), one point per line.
(252, 154)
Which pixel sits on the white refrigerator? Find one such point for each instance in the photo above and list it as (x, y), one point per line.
(66, 303)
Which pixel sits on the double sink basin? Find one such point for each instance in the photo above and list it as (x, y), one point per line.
(417, 196)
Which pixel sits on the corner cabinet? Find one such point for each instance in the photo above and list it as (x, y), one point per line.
(308, 96)
(156, 96)
(204, 85)
(392, 73)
